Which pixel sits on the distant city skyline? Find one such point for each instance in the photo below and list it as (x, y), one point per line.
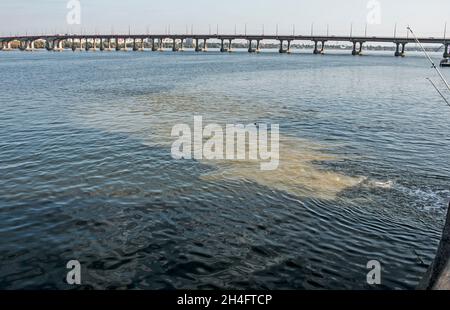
(374, 17)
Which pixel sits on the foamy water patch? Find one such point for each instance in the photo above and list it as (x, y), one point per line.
(426, 199)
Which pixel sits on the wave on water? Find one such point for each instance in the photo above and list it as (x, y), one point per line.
(300, 173)
(426, 199)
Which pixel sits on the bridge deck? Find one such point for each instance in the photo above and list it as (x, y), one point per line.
(429, 40)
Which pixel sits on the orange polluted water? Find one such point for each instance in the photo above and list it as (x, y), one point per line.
(296, 174)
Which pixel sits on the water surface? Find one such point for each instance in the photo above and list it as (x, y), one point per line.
(86, 171)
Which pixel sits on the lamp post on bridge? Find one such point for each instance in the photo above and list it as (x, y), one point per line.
(446, 51)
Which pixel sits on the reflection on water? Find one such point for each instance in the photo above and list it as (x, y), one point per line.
(87, 172)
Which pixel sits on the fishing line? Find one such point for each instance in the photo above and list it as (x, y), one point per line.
(433, 65)
(439, 92)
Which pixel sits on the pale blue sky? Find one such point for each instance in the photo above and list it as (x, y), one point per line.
(38, 16)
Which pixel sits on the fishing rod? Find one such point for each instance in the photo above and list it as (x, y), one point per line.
(433, 65)
(439, 92)
(437, 276)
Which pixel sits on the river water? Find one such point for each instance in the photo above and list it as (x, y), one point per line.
(87, 173)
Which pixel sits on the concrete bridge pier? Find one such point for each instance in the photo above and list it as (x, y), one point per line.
(49, 45)
(205, 45)
(282, 50)
(181, 48)
(360, 48)
(94, 44)
(125, 47)
(397, 50)
(58, 46)
(289, 47)
(80, 48)
(7, 46)
(356, 52)
(30, 46)
(223, 49)
(4, 46)
(160, 45)
(87, 45)
(446, 51)
(102, 45)
(197, 46)
(109, 48)
(23, 45)
(250, 46)
(403, 49)
(174, 45)
(316, 49)
(230, 44)
(154, 47)
(138, 47)
(116, 44)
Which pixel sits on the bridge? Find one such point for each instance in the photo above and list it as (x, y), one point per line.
(156, 42)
